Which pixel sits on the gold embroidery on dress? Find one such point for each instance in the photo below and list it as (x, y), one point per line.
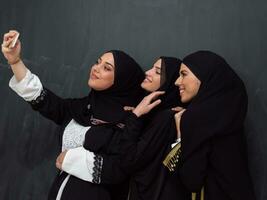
(172, 158)
(197, 195)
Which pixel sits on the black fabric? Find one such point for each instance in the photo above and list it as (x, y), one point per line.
(169, 73)
(108, 105)
(213, 152)
(105, 105)
(143, 147)
(151, 179)
(171, 98)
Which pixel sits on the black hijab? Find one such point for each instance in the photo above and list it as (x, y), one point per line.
(220, 106)
(170, 67)
(108, 105)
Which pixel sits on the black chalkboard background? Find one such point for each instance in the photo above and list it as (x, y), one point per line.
(62, 38)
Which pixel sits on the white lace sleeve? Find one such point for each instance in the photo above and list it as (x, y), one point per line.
(29, 88)
(83, 164)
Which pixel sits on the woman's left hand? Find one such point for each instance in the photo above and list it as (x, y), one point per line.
(60, 159)
(177, 118)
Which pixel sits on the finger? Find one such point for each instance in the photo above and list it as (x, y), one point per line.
(179, 114)
(13, 32)
(6, 49)
(58, 165)
(57, 160)
(154, 104)
(177, 109)
(8, 42)
(128, 108)
(8, 36)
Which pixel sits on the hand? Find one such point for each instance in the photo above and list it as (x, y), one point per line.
(145, 105)
(177, 118)
(128, 108)
(177, 109)
(11, 54)
(60, 159)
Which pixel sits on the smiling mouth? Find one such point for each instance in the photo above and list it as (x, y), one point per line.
(93, 76)
(147, 80)
(181, 91)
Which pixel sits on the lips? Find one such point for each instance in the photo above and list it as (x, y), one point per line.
(147, 80)
(93, 76)
(181, 90)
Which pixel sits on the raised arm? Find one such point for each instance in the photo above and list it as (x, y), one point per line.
(29, 87)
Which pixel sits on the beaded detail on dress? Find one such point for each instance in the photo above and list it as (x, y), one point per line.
(40, 98)
(97, 169)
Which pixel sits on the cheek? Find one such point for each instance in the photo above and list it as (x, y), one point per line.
(194, 88)
(156, 83)
(107, 78)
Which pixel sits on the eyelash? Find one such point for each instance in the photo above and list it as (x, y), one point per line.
(107, 68)
(183, 74)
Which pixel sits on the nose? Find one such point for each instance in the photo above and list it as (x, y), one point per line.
(148, 72)
(95, 68)
(178, 81)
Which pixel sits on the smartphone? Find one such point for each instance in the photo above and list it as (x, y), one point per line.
(13, 43)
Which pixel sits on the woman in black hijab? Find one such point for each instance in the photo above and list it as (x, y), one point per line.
(213, 153)
(115, 81)
(146, 140)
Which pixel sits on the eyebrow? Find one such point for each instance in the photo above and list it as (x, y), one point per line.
(157, 67)
(110, 64)
(106, 62)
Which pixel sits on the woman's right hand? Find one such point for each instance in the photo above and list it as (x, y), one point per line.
(146, 104)
(12, 54)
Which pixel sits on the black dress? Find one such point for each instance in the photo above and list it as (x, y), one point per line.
(106, 106)
(143, 145)
(213, 149)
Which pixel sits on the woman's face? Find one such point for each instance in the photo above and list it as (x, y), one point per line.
(102, 73)
(152, 81)
(188, 84)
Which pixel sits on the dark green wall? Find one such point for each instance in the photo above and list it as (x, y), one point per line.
(62, 38)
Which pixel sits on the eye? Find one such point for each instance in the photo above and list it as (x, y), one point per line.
(183, 73)
(107, 68)
(158, 70)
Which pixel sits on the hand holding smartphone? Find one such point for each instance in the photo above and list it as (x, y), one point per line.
(14, 41)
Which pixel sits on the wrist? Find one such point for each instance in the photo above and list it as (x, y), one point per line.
(14, 61)
(136, 113)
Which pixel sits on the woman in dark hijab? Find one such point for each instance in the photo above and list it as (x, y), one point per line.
(213, 149)
(115, 82)
(146, 140)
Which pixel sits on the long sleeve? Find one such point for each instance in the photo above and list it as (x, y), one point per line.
(29, 88)
(83, 164)
(139, 146)
(191, 176)
(137, 149)
(44, 101)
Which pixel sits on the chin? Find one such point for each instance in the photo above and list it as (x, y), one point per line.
(92, 85)
(146, 87)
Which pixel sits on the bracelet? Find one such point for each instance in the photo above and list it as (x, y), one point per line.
(15, 62)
